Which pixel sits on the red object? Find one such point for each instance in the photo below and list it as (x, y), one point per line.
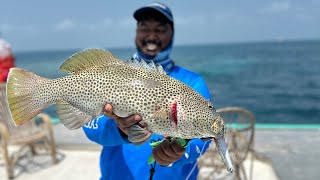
(174, 117)
(6, 60)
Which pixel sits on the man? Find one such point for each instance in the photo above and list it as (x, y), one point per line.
(119, 158)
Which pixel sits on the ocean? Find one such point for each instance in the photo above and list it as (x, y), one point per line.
(278, 81)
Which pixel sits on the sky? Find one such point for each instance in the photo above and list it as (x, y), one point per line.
(71, 24)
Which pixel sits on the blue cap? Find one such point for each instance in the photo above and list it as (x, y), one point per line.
(161, 8)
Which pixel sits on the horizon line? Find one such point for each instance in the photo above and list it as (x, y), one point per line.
(178, 45)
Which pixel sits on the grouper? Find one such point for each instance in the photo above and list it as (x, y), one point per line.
(167, 106)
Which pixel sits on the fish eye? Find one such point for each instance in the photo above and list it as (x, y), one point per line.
(210, 105)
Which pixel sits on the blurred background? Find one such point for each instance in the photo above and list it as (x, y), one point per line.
(263, 56)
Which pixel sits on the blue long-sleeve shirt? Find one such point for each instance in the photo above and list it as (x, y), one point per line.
(122, 160)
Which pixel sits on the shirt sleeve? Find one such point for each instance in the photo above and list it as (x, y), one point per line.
(200, 86)
(104, 131)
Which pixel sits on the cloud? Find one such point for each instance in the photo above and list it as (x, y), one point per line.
(225, 16)
(7, 28)
(277, 7)
(195, 20)
(126, 22)
(70, 25)
(108, 21)
(222, 17)
(64, 25)
(89, 27)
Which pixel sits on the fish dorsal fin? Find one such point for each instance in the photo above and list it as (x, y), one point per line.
(144, 64)
(151, 67)
(161, 70)
(87, 60)
(133, 62)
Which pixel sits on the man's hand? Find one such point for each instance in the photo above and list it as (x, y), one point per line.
(168, 152)
(122, 123)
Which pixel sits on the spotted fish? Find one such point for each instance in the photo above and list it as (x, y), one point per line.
(168, 106)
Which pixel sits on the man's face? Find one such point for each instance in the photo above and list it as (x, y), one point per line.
(153, 36)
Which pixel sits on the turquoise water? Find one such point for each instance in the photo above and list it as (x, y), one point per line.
(278, 82)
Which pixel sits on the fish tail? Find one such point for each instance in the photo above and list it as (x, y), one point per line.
(25, 95)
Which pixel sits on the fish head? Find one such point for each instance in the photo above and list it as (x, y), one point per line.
(213, 122)
(217, 125)
(215, 130)
(198, 114)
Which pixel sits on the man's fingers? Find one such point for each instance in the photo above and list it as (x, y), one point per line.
(168, 152)
(108, 112)
(178, 149)
(121, 122)
(168, 149)
(108, 109)
(162, 151)
(125, 130)
(160, 157)
(128, 121)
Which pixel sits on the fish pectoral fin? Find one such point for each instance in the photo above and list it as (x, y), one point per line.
(206, 139)
(70, 116)
(160, 114)
(137, 135)
(87, 59)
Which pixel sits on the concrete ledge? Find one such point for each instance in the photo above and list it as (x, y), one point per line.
(72, 164)
(292, 154)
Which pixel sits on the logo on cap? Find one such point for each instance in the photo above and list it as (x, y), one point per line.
(159, 5)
